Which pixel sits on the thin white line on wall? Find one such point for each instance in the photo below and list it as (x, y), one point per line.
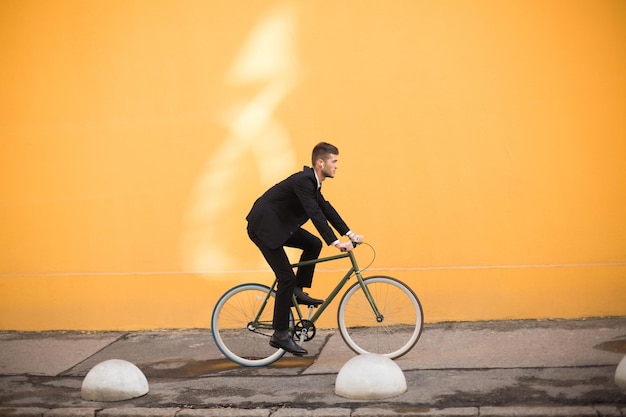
(258, 271)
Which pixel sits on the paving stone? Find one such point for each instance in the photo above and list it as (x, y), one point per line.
(22, 412)
(138, 412)
(48, 354)
(607, 411)
(320, 412)
(520, 411)
(451, 412)
(417, 412)
(71, 412)
(224, 412)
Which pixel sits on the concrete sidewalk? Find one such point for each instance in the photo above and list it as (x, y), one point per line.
(511, 368)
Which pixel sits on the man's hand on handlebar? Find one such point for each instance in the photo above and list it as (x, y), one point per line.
(345, 246)
(356, 238)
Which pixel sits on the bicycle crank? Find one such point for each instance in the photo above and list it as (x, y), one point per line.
(304, 330)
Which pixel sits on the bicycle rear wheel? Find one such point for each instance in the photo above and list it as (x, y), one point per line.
(400, 327)
(237, 333)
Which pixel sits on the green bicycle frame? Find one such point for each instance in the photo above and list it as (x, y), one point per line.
(354, 269)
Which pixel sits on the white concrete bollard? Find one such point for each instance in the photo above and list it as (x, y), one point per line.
(370, 377)
(620, 374)
(114, 380)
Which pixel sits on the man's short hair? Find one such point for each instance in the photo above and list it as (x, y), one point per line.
(322, 150)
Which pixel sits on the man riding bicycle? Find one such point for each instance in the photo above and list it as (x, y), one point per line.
(276, 220)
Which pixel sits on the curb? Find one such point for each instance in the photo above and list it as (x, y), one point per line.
(511, 411)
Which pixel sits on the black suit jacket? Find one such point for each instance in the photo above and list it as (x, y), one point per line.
(285, 207)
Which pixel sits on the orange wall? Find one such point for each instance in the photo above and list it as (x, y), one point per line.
(482, 147)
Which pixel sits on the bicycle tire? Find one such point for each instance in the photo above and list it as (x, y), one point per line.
(234, 332)
(402, 324)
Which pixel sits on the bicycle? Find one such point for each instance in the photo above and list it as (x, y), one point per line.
(378, 314)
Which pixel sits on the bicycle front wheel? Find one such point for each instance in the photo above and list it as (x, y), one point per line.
(242, 325)
(399, 327)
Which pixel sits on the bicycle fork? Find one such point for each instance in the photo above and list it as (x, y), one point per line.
(368, 295)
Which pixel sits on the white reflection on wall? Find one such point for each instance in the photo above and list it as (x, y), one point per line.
(267, 62)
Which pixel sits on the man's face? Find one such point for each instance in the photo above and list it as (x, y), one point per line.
(330, 165)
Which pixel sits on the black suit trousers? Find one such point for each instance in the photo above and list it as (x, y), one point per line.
(277, 259)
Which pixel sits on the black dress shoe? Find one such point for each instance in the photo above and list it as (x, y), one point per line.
(287, 344)
(304, 298)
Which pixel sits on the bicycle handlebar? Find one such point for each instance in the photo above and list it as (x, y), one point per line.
(354, 245)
